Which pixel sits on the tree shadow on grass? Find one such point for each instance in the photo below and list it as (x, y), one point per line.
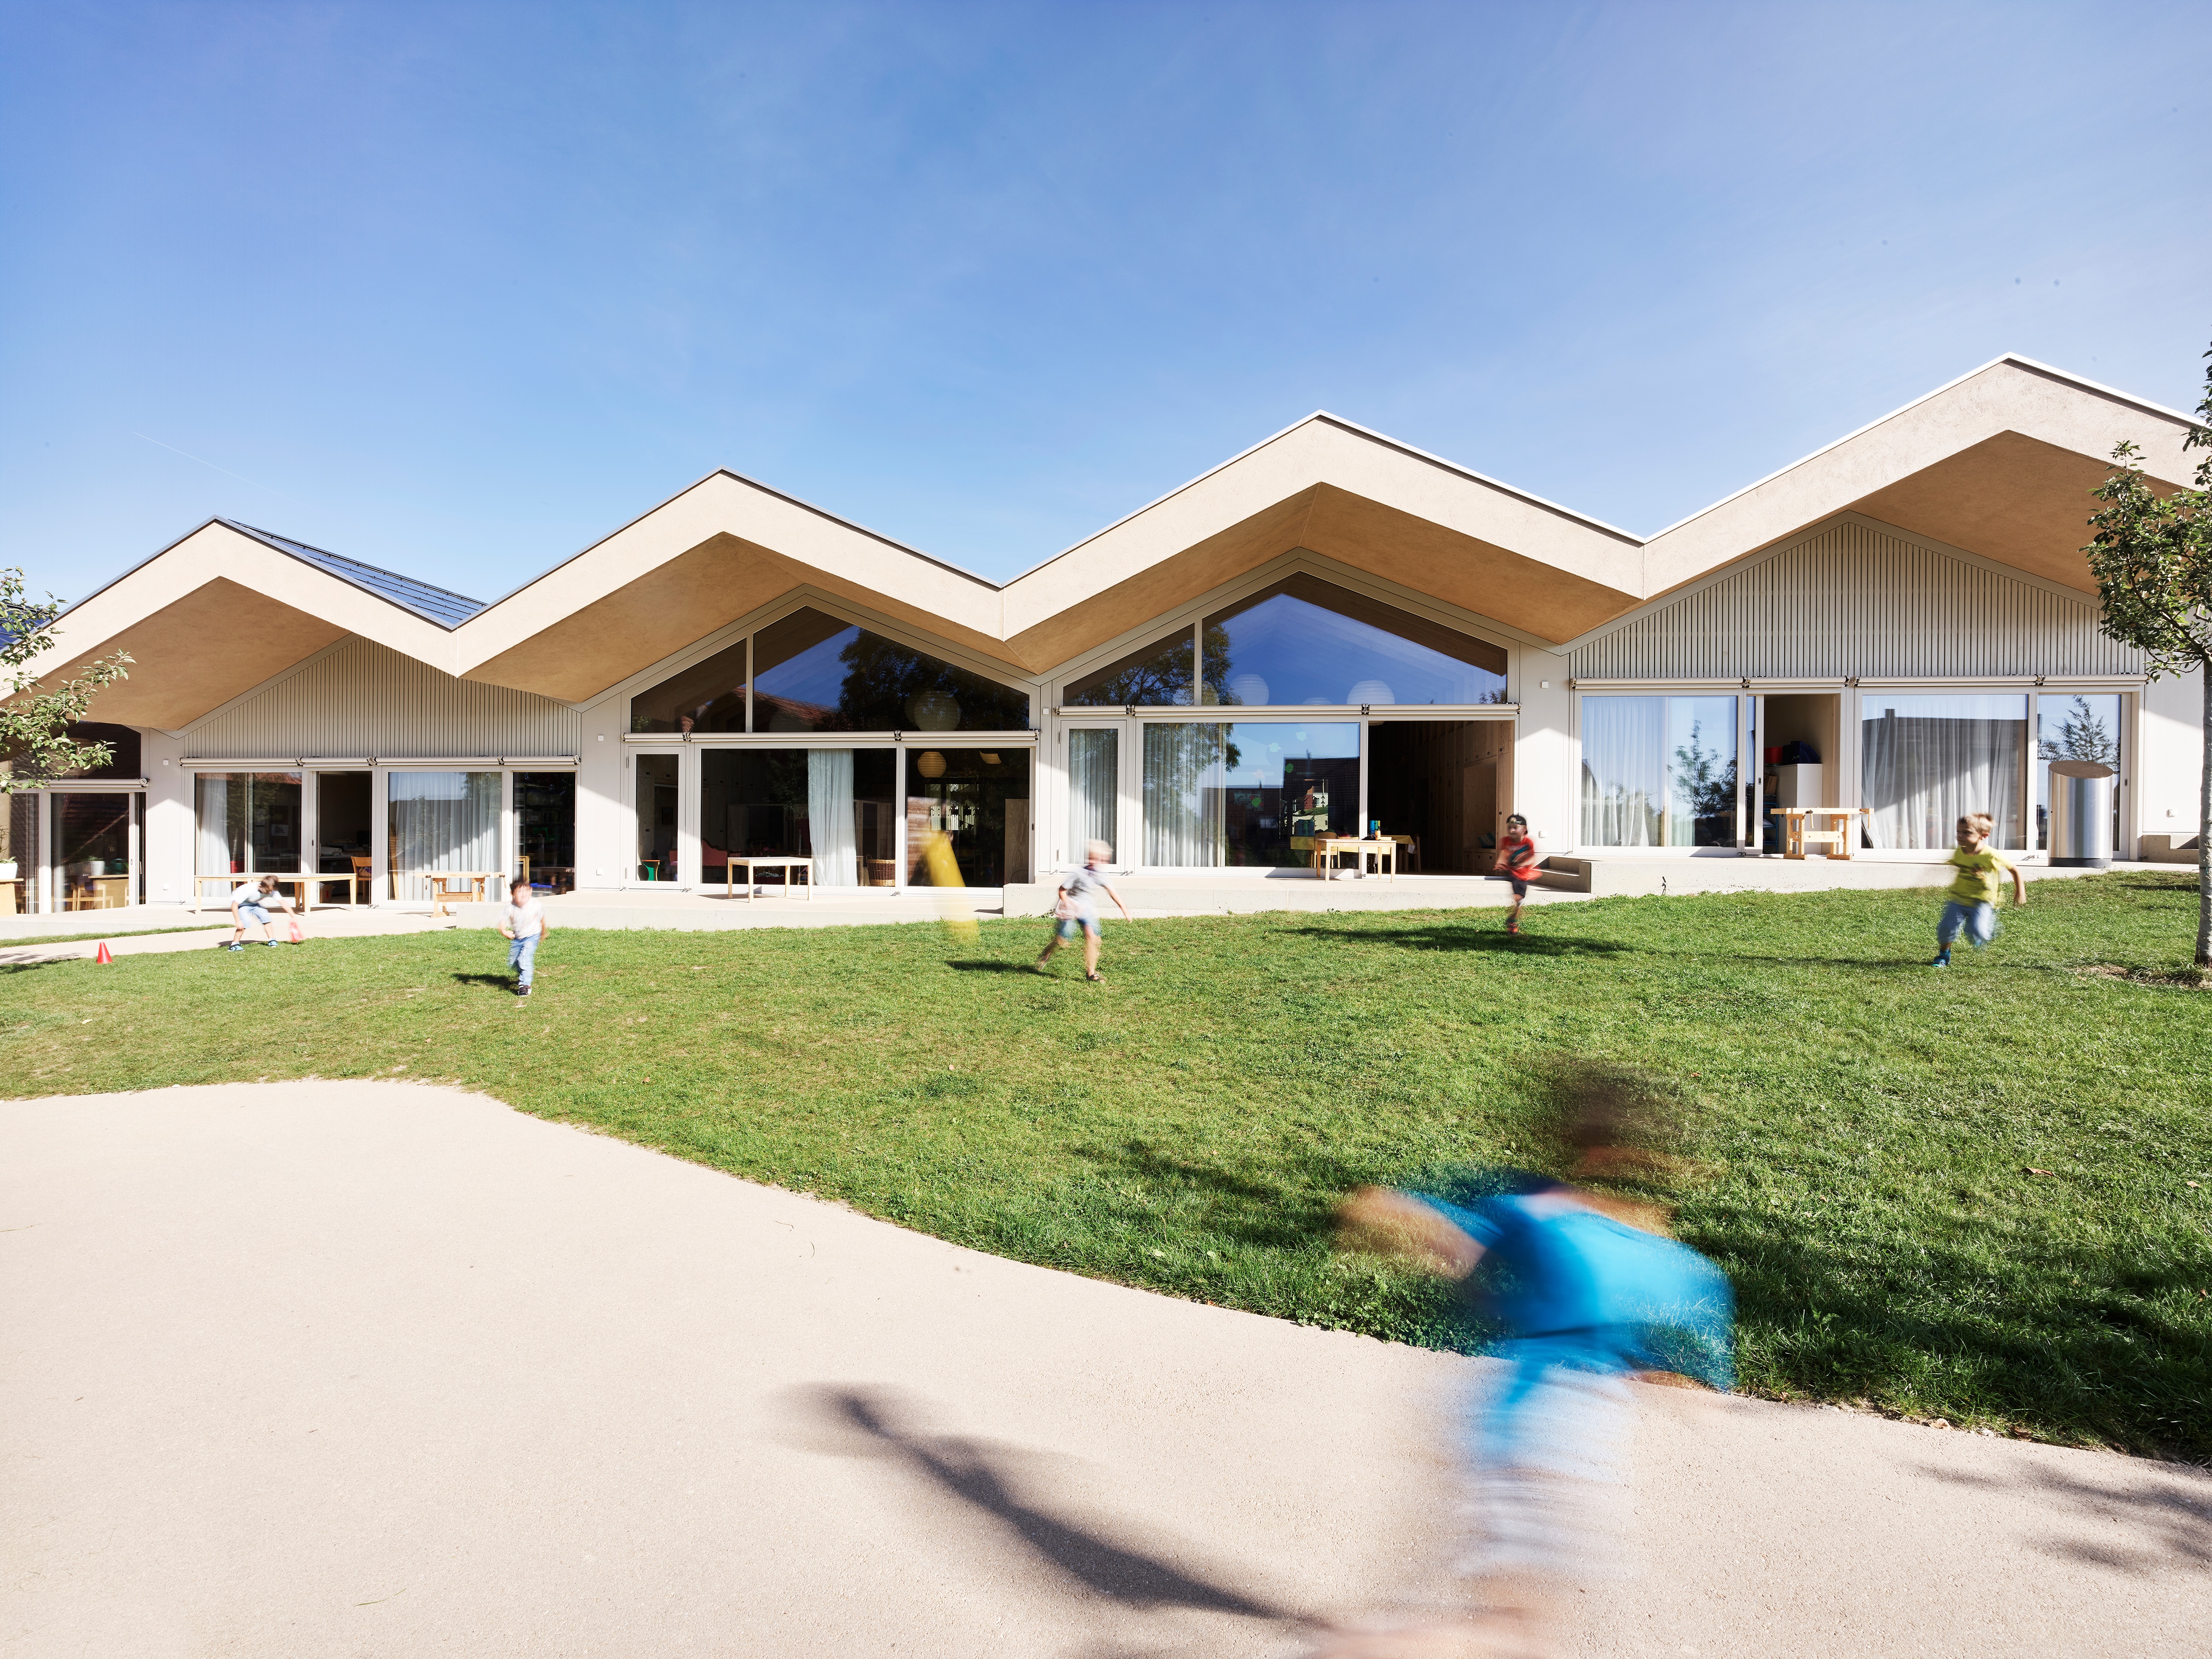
(2069, 1338)
(1269, 1214)
(1009, 1488)
(1449, 937)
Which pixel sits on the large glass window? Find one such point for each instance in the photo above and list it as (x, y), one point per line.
(709, 696)
(1929, 761)
(248, 820)
(656, 817)
(440, 823)
(1158, 676)
(814, 672)
(836, 807)
(1659, 772)
(92, 842)
(545, 828)
(1251, 792)
(975, 802)
(1306, 641)
(2074, 727)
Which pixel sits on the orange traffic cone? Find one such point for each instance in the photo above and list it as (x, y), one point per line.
(104, 959)
(298, 937)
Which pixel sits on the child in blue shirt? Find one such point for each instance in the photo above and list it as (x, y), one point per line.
(1584, 1301)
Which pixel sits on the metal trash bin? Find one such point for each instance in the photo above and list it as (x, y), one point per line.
(2082, 814)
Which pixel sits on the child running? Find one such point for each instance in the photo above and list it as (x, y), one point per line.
(525, 925)
(1580, 1302)
(1077, 908)
(1516, 856)
(1973, 901)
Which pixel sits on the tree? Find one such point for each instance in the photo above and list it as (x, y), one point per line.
(2153, 561)
(35, 747)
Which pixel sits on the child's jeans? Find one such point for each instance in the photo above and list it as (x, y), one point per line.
(1979, 920)
(522, 954)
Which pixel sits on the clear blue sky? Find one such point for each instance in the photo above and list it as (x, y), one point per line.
(458, 288)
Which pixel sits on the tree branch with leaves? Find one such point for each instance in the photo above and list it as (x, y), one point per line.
(35, 747)
(2152, 559)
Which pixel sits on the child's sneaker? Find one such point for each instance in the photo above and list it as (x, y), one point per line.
(235, 945)
(1512, 927)
(522, 990)
(1942, 961)
(272, 943)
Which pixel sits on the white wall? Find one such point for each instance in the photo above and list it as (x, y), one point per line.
(2170, 758)
(1544, 749)
(168, 846)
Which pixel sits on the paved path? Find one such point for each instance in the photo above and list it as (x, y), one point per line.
(321, 924)
(364, 1368)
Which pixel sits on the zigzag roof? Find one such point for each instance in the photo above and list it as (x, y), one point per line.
(1999, 463)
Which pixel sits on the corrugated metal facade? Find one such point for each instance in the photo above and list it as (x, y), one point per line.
(1851, 600)
(364, 700)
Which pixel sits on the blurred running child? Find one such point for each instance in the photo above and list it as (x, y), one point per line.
(1516, 856)
(524, 926)
(1584, 1297)
(1078, 907)
(1971, 901)
(249, 903)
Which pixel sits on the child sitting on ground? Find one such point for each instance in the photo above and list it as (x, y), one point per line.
(1971, 901)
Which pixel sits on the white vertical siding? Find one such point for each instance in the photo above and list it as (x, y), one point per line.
(1851, 600)
(362, 699)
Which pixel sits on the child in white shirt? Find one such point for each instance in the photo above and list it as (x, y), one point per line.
(524, 925)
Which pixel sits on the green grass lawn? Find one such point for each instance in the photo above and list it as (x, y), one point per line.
(1865, 1125)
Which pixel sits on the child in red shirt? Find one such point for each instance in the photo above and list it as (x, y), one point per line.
(1516, 856)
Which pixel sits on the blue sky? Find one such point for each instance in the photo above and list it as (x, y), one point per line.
(460, 288)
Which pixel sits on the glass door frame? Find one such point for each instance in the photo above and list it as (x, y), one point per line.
(1127, 826)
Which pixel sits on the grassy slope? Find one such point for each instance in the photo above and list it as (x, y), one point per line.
(1866, 1122)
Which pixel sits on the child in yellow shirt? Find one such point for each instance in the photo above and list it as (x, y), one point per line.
(1972, 903)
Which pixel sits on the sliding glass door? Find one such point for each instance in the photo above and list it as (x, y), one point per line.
(1094, 795)
(1659, 772)
(835, 808)
(442, 822)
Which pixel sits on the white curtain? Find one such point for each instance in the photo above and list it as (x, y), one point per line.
(441, 820)
(830, 817)
(1093, 783)
(219, 843)
(1929, 761)
(1624, 770)
(1186, 782)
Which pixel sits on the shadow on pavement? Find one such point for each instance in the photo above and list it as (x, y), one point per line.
(2165, 1521)
(1087, 1553)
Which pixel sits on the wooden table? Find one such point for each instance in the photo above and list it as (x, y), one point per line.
(1795, 837)
(303, 883)
(1382, 849)
(12, 889)
(786, 865)
(443, 883)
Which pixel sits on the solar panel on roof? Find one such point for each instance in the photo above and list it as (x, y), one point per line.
(435, 604)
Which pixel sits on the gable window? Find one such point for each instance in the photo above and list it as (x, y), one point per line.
(814, 672)
(1304, 642)
(1158, 676)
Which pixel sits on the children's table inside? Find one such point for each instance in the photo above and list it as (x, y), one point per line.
(790, 867)
(1837, 838)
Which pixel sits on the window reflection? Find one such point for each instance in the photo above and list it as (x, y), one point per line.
(656, 817)
(978, 798)
(2074, 727)
(1156, 675)
(1306, 641)
(248, 820)
(1658, 772)
(1251, 792)
(709, 696)
(814, 673)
